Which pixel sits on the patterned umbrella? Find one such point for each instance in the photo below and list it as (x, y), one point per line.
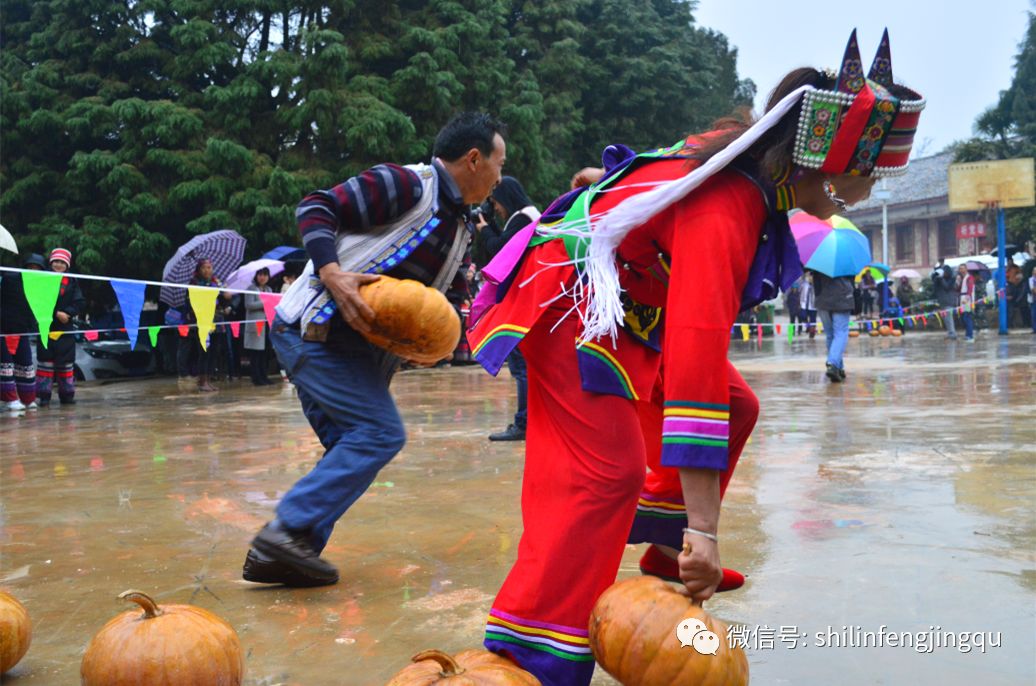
(834, 247)
(244, 275)
(224, 248)
(909, 273)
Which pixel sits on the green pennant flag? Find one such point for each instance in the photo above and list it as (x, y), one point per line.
(791, 332)
(41, 290)
(152, 333)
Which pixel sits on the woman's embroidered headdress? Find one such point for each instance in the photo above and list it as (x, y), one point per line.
(859, 128)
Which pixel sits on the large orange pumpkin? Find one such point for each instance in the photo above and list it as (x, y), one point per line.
(873, 332)
(633, 636)
(171, 645)
(854, 334)
(411, 320)
(897, 332)
(468, 668)
(15, 631)
(885, 330)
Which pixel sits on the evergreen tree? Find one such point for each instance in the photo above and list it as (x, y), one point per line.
(130, 125)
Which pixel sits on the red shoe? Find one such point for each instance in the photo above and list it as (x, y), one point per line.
(657, 563)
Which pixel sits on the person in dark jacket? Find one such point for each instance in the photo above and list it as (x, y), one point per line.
(17, 369)
(834, 302)
(514, 211)
(945, 286)
(57, 359)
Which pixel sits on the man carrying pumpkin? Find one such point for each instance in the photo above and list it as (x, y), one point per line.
(407, 222)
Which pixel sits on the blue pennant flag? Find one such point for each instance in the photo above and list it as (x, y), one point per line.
(131, 302)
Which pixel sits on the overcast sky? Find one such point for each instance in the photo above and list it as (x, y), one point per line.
(959, 55)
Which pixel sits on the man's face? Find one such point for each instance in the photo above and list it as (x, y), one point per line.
(486, 171)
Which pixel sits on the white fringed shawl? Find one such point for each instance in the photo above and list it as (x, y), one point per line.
(600, 290)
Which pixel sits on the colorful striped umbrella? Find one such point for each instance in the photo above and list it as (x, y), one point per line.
(877, 270)
(224, 248)
(834, 247)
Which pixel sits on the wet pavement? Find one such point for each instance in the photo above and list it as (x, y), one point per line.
(904, 498)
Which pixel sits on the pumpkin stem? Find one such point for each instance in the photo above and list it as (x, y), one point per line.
(448, 664)
(150, 607)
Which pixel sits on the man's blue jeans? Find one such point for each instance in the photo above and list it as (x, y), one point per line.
(346, 399)
(836, 328)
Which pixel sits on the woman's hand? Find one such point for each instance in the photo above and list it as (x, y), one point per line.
(61, 317)
(700, 568)
(587, 176)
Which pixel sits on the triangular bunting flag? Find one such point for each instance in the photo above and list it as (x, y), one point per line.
(901, 322)
(152, 334)
(183, 330)
(259, 328)
(791, 333)
(131, 302)
(270, 301)
(203, 302)
(91, 335)
(777, 328)
(235, 328)
(54, 335)
(41, 290)
(744, 332)
(12, 343)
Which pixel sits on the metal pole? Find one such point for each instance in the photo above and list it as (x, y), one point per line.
(1001, 262)
(885, 240)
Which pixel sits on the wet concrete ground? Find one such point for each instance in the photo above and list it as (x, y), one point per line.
(905, 497)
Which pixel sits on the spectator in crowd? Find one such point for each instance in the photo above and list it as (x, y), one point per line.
(18, 369)
(966, 290)
(905, 293)
(868, 288)
(255, 336)
(945, 287)
(57, 359)
(793, 302)
(1032, 299)
(191, 355)
(513, 211)
(807, 304)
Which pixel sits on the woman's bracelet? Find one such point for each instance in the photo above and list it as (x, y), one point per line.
(711, 537)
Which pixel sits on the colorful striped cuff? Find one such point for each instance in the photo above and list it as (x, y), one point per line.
(563, 642)
(695, 434)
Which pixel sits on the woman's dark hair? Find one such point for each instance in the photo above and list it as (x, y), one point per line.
(774, 148)
(198, 265)
(510, 194)
(261, 270)
(465, 131)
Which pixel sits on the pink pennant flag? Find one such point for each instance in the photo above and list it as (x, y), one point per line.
(270, 301)
(12, 343)
(183, 330)
(759, 332)
(235, 328)
(259, 328)
(91, 335)
(778, 328)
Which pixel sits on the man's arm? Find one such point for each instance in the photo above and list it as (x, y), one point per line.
(378, 196)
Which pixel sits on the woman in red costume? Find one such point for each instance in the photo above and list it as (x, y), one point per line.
(622, 299)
